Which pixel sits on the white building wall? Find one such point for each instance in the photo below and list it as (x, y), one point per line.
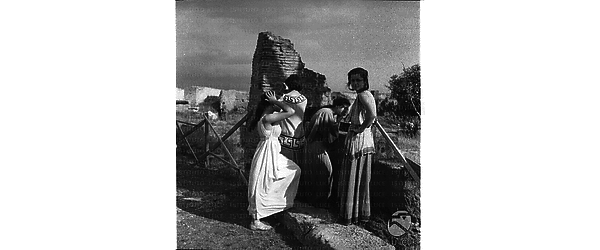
(179, 94)
(203, 92)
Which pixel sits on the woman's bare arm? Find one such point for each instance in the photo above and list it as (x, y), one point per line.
(367, 99)
(275, 117)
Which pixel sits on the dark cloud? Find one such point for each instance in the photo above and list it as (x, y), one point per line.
(216, 57)
(210, 70)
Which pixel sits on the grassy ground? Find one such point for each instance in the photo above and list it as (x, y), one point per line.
(408, 144)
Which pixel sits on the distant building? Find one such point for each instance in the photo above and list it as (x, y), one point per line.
(214, 98)
(233, 99)
(179, 94)
(197, 95)
(379, 96)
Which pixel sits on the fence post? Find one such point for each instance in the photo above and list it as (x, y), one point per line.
(187, 142)
(229, 133)
(208, 125)
(206, 136)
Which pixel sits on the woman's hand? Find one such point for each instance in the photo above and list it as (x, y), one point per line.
(271, 96)
(357, 130)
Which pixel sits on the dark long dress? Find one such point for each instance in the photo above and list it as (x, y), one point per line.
(318, 169)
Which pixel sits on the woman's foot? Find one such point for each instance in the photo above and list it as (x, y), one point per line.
(258, 225)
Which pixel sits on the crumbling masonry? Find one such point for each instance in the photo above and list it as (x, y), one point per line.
(274, 61)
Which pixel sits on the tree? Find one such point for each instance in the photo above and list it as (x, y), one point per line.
(406, 89)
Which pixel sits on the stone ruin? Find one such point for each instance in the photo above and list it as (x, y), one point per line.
(197, 95)
(233, 100)
(274, 61)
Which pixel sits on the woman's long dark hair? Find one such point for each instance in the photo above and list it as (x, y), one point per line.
(260, 108)
(365, 76)
(337, 102)
(293, 83)
(340, 101)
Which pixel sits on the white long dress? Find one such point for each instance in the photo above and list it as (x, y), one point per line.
(274, 178)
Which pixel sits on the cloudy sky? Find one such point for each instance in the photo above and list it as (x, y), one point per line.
(216, 39)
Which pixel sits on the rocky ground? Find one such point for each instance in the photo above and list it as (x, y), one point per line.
(211, 214)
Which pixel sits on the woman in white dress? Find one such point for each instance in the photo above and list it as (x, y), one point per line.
(273, 177)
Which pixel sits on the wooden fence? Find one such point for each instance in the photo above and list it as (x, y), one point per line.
(412, 167)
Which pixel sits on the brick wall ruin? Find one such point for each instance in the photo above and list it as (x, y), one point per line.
(234, 99)
(274, 61)
(197, 95)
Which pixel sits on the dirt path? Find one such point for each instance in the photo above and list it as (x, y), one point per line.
(211, 213)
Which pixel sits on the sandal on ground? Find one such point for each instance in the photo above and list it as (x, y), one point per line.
(260, 226)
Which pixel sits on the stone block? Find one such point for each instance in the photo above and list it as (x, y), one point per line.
(314, 227)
